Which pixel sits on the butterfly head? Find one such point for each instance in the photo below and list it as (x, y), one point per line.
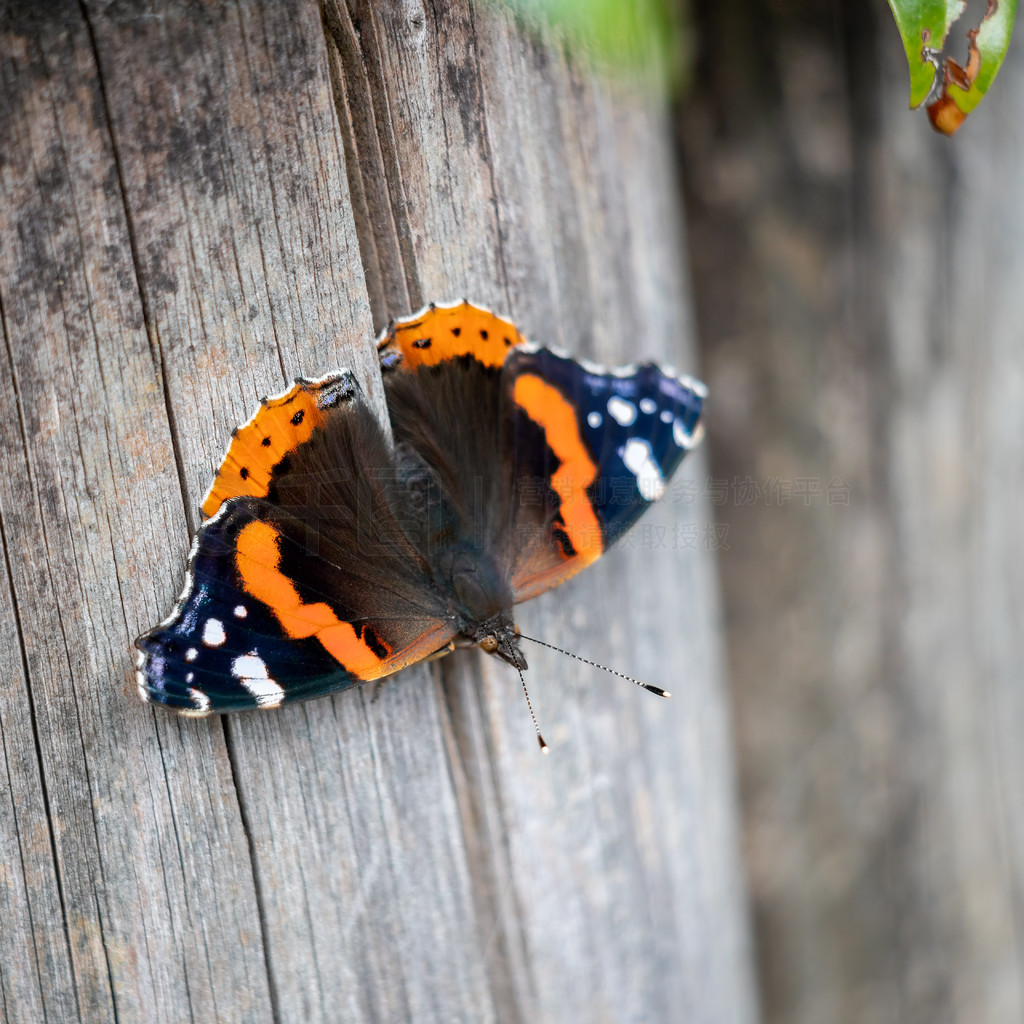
(500, 636)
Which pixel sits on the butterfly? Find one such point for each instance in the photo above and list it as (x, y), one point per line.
(335, 553)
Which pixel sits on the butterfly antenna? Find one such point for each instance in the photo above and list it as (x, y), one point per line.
(604, 668)
(529, 703)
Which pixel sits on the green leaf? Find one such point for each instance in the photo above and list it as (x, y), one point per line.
(924, 26)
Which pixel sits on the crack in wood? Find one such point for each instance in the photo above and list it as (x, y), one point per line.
(353, 41)
(485, 832)
(43, 788)
(247, 831)
(156, 350)
(23, 651)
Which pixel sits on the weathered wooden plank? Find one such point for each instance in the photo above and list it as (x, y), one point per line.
(35, 979)
(859, 300)
(515, 169)
(353, 826)
(185, 242)
(122, 816)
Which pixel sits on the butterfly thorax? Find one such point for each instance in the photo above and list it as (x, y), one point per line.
(481, 601)
(478, 593)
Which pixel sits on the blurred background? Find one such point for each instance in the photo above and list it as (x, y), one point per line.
(858, 282)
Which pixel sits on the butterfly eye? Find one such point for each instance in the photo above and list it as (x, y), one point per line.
(489, 644)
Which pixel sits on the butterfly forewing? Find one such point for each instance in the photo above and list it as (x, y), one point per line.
(309, 590)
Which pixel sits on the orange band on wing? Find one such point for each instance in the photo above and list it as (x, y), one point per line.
(258, 557)
(554, 414)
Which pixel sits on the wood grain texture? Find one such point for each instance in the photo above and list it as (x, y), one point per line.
(196, 204)
(858, 293)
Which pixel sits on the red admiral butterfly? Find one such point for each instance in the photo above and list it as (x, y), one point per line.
(333, 555)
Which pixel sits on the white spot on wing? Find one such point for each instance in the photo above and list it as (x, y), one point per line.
(594, 419)
(251, 671)
(680, 435)
(648, 406)
(213, 633)
(666, 415)
(201, 701)
(640, 462)
(191, 654)
(241, 611)
(623, 412)
(189, 676)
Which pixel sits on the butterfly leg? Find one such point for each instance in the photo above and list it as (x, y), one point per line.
(441, 651)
